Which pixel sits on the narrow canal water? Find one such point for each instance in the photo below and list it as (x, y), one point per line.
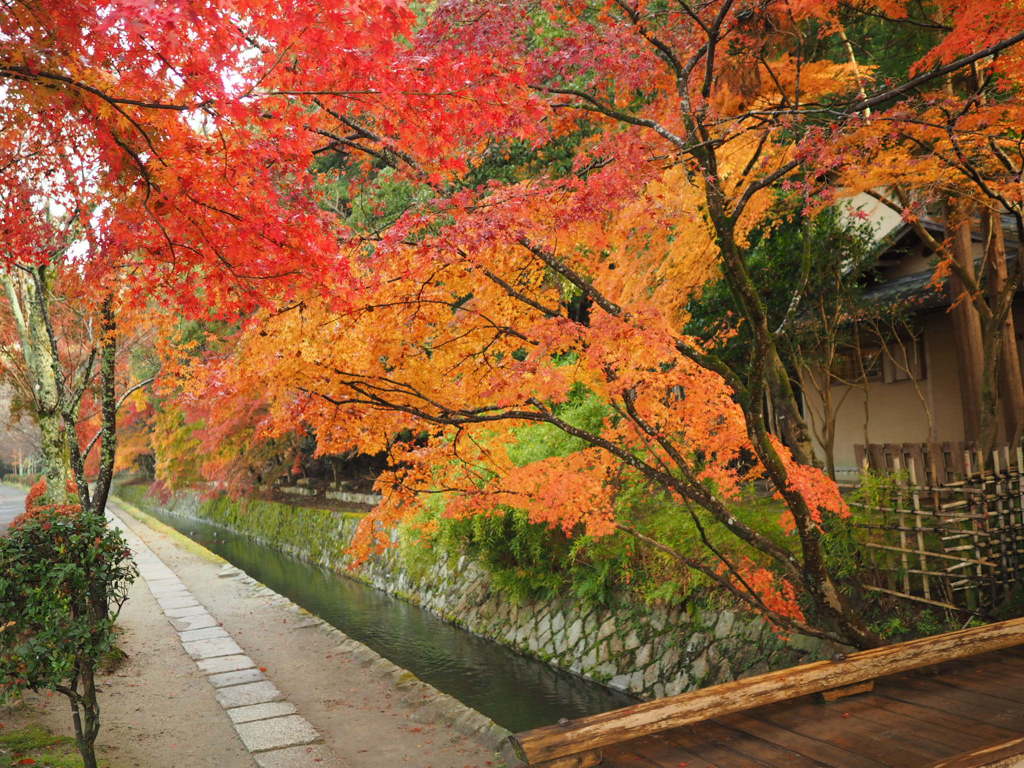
(514, 691)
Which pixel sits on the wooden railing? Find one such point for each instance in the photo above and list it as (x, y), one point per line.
(578, 743)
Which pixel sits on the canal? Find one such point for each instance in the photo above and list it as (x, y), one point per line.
(515, 691)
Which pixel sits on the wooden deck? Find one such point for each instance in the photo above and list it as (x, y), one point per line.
(925, 719)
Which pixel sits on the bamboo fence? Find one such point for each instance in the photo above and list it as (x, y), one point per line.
(950, 532)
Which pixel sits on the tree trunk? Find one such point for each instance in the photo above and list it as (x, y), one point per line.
(967, 331)
(85, 714)
(27, 308)
(1000, 297)
(108, 427)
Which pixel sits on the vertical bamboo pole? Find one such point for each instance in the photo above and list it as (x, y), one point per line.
(987, 513)
(916, 499)
(902, 524)
(973, 591)
(998, 531)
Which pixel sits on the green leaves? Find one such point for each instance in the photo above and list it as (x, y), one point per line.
(63, 579)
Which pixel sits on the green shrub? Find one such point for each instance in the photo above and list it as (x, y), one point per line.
(64, 576)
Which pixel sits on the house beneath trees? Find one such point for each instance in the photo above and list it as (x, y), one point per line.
(911, 366)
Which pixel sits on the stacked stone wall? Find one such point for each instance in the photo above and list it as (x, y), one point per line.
(647, 650)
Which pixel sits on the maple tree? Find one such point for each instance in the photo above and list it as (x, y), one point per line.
(157, 152)
(177, 139)
(488, 291)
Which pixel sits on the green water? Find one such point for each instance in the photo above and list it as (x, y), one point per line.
(515, 691)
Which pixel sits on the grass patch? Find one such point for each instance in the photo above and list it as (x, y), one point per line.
(34, 745)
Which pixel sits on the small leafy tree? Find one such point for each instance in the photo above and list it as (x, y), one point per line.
(64, 576)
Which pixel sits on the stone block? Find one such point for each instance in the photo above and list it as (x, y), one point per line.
(276, 733)
(167, 587)
(238, 677)
(199, 621)
(180, 613)
(620, 682)
(224, 664)
(677, 685)
(261, 711)
(152, 573)
(725, 624)
(205, 633)
(207, 649)
(170, 603)
(573, 634)
(295, 757)
(643, 656)
(250, 693)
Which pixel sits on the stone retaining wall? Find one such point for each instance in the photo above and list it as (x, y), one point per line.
(649, 651)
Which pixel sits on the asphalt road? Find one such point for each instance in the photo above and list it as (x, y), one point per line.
(12, 504)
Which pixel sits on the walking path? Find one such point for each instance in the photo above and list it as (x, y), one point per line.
(267, 725)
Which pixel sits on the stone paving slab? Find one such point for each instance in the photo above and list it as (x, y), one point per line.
(180, 613)
(250, 693)
(224, 664)
(278, 733)
(208, 649)
(261, 711)
(295, 757)
(166, 585)
(238, 677)
(207, 633)
(169, 603)
(199, 621)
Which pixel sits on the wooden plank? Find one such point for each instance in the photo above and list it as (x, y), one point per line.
(962, 725)
(809, 746)
(579, 760)
(597, 731)
(1005, 755)
(990, 683)
(658, 750)
(631, 759)
(719, 751)
(836, 725)
(926, 724)
(755, 748)
(960, 701)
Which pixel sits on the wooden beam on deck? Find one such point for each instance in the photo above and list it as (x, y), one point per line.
(584, 737)
(1004, 755)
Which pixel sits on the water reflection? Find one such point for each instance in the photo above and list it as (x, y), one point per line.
(515, 691)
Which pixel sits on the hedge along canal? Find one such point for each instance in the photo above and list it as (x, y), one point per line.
(515, 691)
